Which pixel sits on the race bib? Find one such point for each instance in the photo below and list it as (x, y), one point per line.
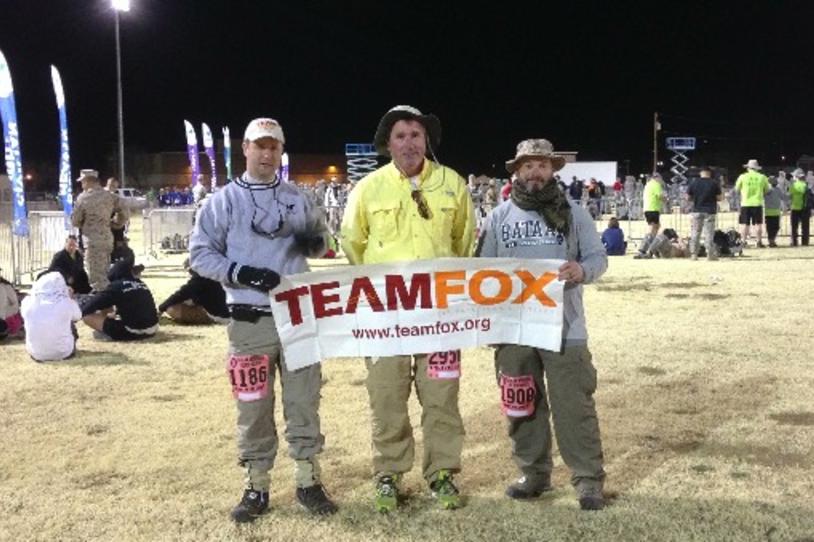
(444, 365)
(517, 394)
(249, 375)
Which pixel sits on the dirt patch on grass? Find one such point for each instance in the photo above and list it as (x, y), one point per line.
(793, 418)
(712, 297)
(650, 371)
(98, 479)
(677, 296)
(766, 456)
(673, 419)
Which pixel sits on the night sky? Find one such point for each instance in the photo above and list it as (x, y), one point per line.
(587, 75)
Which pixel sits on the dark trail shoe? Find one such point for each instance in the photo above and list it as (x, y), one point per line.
(253, 505)
(590, 498)
(315, 500)
(529, 487)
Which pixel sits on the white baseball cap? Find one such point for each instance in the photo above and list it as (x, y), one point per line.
(264, 127)
(88, 173)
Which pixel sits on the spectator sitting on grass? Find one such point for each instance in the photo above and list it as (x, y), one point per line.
(614, 238)
(200, 301)
(125, 310)
(49, 314)
(10, 309)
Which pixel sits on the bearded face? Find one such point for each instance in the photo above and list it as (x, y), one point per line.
(534, 173)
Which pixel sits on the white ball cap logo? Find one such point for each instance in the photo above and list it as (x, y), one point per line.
(264, 127)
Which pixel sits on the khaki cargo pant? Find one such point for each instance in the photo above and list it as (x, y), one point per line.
(389, 381)
(97, 259)
(571, 384)
(257, 433)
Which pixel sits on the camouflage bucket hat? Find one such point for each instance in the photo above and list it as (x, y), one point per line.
(406, 112)
(535, 148)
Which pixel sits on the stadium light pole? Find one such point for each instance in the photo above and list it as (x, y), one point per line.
(119, 6)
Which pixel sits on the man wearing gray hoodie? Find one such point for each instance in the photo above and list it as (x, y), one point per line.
(247, 235)
(538, 222)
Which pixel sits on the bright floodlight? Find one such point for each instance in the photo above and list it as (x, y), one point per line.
(121, 5)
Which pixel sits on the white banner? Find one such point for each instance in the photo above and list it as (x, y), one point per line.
(418, 307)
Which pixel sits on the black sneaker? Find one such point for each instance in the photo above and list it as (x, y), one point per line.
(315, 500)
(253, 505)
(529, 487)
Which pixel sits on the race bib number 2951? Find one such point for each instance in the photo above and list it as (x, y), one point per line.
(249, 376)
(444, 365)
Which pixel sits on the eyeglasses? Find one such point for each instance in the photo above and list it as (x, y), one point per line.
(421, 202)
(256, 229)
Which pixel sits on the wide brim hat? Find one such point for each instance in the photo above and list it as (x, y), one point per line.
(535, 148)
(752, 164)
(430, 122)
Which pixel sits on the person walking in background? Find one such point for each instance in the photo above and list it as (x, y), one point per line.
(800, 209)
(704, 193)
(653, 199)
(411, 209)
(752, 186)
(772, 209)
(92, 214)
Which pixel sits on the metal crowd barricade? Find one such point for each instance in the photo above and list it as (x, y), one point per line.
(166, 230)
(46, 236)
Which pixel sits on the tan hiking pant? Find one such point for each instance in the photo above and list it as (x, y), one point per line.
(568, 398)
(389, 382)
(257, 434)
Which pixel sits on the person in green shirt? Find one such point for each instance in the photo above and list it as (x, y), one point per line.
(653, 199)
(752, 185)
(800, 215)
(773, 210)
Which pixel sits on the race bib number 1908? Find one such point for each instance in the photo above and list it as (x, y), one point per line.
(249, 375)
(517, 394)
(444, 365)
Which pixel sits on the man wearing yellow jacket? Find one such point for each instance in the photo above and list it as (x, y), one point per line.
(410, 209)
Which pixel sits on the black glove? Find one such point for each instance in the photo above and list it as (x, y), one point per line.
(258, 278)
(309, 245)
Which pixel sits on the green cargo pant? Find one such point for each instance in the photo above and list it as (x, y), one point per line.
(571, 384)
(389, 380)
(257, 434)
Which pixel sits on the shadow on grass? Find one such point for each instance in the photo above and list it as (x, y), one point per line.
(92, 357)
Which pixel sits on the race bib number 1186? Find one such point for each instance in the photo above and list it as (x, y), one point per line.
(249, 376)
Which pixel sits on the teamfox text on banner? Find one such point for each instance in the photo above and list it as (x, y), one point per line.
(418, 307)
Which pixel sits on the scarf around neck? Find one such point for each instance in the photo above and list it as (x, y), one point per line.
(549, 201)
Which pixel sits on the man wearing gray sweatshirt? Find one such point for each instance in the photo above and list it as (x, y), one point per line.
(538, 222)
(247, 235)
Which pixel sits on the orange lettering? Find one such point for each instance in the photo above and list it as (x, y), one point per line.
(442, 289)
(534, 287)
(478, 278)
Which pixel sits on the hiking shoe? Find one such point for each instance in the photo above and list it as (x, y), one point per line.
(641, 256)
(590, 498)
(445, 492)
(772, 244)
(760, 245)
(253, 505)
(387, 494)
(316, 500)
(527, 488)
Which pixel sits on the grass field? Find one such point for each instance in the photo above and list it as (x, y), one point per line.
(705, 399)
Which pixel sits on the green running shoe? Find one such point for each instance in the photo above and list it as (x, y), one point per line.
(445, 492)
(387, 493)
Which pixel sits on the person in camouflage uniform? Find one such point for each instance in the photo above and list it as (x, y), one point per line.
(95, 211)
